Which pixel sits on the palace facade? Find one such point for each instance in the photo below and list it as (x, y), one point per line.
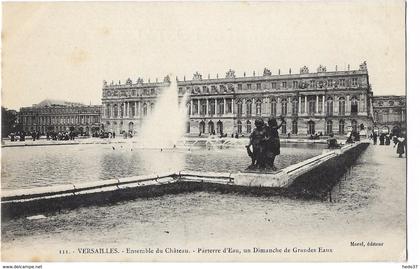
(59, 116)
(318, 102)
(389, 113)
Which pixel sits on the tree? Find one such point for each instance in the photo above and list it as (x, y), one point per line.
(9, 122)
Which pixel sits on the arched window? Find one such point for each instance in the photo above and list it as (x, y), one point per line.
(329, 106)
(221, 107)
(312, 105)
(341, 127)
(294, 106)
(108, 111)
(115, 110)
(284, 107)
(202, 127)
(151, 107)
(239, 127)
(219, 126)
(273, 103)
(239, 104)
(203, 109)
(145, 109)
(329, 127)
(341, 106)
(195, 107)
(311, 127)
(258, 107)
(212, 107)
(294, 127)
(132, 110)
(248, 127)
(211, 127)
(248, 108)
(354, 105)
(188, 127)
(189, 108)
(354, 125)
(131, 126)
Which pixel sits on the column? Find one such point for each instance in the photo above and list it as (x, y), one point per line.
(198, 107)
(124, 109)
(253, 108)
(191, 106)
(316, 105)
(300, 105)
(323, 104)
(306, 105)
(135, 109)
(289, 106)
(232, 107)
(224, 105)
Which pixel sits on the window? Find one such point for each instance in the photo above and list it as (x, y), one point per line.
(329, 106)
(391, 103)
(354, 105)
(248, 108)
(239, 104)
(341, 127)
(258, 108)
(239, 127)
(330, 83)
(211, 127)
(273, 85)
(228, 105)
(329, 127)
(284, 84)
(311, 127)
(195, 107)
(312, 83)
(320, 108)
(258, 86)
(294, 106)
(284, 107)
(302, 105)
(221, 107)
(341, 82)
(205, 89)
(240, 87)
(295, 84)
(115, 110)
(354, 82)
(202, 127)
(273, 107)
(219, 126)
(212, 107)
(188, 127)
(144, 109)
(203, 109)
(312, 106)
(341, 106)
(248, 86)
(248, 127)
(294, 127)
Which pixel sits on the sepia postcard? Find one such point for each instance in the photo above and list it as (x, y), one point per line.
(204, 131)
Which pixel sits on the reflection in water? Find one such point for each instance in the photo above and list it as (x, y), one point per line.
(27, 167)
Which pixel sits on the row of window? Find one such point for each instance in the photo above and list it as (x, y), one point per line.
(353, 82)
(61, 120)
(247, 127)
(118, 111)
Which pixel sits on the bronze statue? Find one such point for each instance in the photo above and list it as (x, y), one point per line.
(265, 143)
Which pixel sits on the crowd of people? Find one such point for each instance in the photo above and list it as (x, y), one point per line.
(399, 139)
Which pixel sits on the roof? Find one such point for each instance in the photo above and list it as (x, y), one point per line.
(52, 102)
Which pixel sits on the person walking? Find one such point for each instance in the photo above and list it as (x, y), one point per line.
(375, 138)
(401, 146)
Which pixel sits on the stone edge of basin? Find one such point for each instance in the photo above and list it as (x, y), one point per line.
(281, 179)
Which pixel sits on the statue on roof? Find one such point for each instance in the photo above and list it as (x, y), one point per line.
(105, 83)
(266, 72)
(230, 74)
(167, 79)
(321, 69)
(197, 76)
(128, 82)
(304, 70)
(363, 66)
(139, 81)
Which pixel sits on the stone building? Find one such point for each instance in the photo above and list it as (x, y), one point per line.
(389, 113)
(59, 116)
(322, 101)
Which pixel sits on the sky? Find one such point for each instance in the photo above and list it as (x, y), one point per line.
(64, 50)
